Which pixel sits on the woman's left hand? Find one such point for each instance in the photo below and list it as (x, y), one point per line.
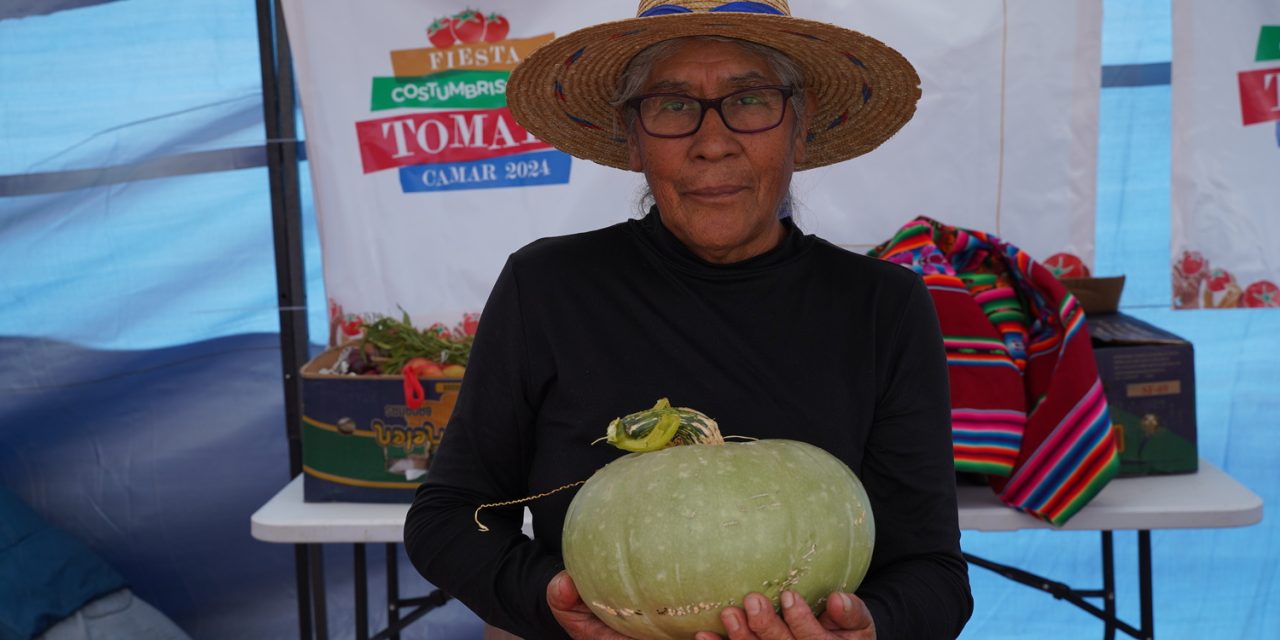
(846, 618)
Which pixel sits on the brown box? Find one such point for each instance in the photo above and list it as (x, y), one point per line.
(1096, 295)
(1149, 378)
(361, 442)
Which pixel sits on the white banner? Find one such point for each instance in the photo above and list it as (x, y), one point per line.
(424, 184)
(1226, 154)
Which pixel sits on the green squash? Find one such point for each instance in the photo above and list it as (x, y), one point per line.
(659, 542)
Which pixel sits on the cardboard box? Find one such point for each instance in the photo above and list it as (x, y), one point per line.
(360, 441)
(1096, 295)
(1149, 378)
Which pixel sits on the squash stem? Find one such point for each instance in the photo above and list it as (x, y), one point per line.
(663, 426)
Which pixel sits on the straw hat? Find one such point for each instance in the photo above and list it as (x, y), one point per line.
(865, 90)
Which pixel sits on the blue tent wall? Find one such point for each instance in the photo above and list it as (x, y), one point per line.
(140, 398)
(140, 395)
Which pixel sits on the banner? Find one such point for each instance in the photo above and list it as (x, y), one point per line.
(424, 183)
(1226, 154)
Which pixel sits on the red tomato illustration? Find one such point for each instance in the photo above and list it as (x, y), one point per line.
(440, 33)
(496, 28)
(1219, 279)
(470, 322)
(1191, 263)
(1065, 265)
(353, 327)
(468, 26)
(1262, 293)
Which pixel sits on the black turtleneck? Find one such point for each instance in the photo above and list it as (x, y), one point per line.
(806, 341)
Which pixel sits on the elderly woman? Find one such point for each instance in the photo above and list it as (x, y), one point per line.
(715, 298)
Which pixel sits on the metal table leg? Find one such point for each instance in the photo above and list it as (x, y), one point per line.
(1144, 585)
(1109, 584)
(393, 591)
(362, 594)
(302, 584)
(315, 558)
(1077, 597)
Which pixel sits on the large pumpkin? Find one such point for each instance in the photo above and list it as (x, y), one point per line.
(658, 543)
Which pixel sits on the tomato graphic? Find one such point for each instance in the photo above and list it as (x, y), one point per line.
(1221, 290)
(470, 323)
(353, 327)
(1219, 279)
(1262, 293)
(1065, 265)
(496, 28)
(1192, 263)
(440, 33)
(468, 26)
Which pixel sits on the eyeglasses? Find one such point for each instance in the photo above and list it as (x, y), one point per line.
(675, 115)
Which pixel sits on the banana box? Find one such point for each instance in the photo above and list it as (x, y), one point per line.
(1149, 378)
(368, 438)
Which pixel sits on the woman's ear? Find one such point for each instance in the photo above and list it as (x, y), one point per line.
(633, 145)
(633, 154)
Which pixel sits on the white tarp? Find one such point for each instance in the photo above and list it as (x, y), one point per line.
(424, 184)
(1226, 154)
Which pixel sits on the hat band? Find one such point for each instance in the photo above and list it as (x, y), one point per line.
(735, 7)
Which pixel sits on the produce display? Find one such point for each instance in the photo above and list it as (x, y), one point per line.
(393, 346)
(376, 404)
(661, 540)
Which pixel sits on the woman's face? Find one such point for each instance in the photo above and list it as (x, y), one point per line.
(718, 191)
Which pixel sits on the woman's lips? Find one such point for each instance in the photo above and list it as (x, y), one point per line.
(717, 192)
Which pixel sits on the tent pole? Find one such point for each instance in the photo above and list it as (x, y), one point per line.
(278, 109)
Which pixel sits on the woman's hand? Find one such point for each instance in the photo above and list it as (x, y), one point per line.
(572, 613)
(846, 618)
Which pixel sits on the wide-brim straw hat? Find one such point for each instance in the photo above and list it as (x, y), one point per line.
(865, 90)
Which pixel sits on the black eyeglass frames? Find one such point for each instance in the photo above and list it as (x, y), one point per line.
(676, 115)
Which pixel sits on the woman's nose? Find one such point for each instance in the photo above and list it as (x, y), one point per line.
(714, 140)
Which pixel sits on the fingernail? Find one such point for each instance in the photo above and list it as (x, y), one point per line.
(753, 606)
(847, 601)
(731, 622)
(788, 599)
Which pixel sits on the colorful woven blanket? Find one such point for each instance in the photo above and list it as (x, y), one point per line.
(1028, 409)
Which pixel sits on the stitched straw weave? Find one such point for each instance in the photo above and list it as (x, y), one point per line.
(866, 91)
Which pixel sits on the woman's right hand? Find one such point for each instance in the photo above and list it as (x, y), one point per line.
(573, 614)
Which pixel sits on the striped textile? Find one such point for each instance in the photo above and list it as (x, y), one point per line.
(1028, 409)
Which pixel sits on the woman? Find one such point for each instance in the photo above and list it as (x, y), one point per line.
(714, 299)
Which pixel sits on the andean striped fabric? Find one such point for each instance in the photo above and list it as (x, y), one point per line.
(1028, 409)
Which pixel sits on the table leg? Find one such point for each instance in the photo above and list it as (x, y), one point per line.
(1060, 591)
(315, 558)
(303, 587)
(393, 590)
(1144, 584)
(362, 593)
(1109, 584)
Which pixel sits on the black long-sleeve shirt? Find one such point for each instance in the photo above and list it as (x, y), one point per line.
(808, 342)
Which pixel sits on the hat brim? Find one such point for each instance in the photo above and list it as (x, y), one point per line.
(865, 90)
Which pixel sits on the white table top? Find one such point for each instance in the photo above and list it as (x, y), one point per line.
(287, 518)
(1207, 499)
